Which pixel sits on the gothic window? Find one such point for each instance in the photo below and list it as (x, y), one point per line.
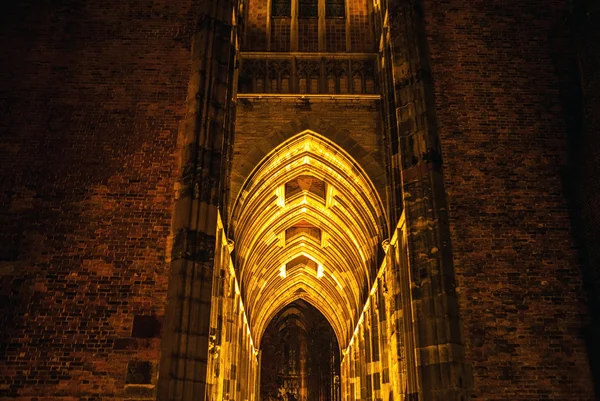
(273, 77)
(335, 9)
(259, 84)
(343, 83)
(302, 83)
(281, 8)
(284, 76)
(357, 83)
(369, 77)
(308, 8)
(331, 83)
(285, 82)
(369, 85)
(292, 360)
(314, 84)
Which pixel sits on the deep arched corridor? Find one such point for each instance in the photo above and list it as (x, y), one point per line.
(191, 190)
(300, 356)
(307, 225)
(309, 254)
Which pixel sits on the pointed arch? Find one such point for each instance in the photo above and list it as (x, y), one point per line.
(350, 217)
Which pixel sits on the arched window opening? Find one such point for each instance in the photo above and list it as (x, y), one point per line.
(259, 84)
(331, 84)
(314, 83)
(285, 82)
(357, 83)
(303, 84)
(343, 83)
(273, 81)
(301, 357)
(369, 85)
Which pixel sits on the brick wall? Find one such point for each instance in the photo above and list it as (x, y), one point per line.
(584, 177)
(91, 97)
(504, 141)
(90, 101)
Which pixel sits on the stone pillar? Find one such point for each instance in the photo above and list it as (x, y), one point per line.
(322, 45)
(385, 337)
(203, 134)
(390, 132)
(294, 27)
(376, 351)
(441, 370)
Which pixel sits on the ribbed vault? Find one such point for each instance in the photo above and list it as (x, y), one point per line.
(307, 225)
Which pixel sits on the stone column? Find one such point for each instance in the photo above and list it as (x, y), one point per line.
(322, 29)
(202, 136)
(441, 370)
(392, 157)
(385, 337)
(294, 27)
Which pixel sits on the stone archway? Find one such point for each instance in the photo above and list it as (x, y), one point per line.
(300, 356)
(395, 316)
(307, 221)
(308, 226)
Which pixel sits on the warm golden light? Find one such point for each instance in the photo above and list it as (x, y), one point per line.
(307, 182)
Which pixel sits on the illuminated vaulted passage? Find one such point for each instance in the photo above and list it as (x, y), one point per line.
(308, 253)
(280, 231)
(300, 356)
(307, 225)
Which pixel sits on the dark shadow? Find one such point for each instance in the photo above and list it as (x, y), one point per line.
(579, 85)
(300, 357)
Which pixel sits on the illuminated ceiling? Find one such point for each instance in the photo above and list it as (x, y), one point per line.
(307, 225)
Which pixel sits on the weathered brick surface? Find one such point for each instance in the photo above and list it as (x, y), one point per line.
(504, 141)
(262, 125)
(91, 97)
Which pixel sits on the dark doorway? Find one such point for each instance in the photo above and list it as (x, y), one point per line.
(300, 356)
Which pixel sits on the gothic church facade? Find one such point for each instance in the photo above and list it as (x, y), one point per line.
(394, 199)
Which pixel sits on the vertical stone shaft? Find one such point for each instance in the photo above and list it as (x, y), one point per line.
(394, 188)
(436, 326)
(185, 342)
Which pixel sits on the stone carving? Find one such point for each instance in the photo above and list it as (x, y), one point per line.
(385, 245)
(323, 75)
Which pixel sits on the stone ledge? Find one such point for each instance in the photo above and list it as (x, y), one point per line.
(140, 391)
